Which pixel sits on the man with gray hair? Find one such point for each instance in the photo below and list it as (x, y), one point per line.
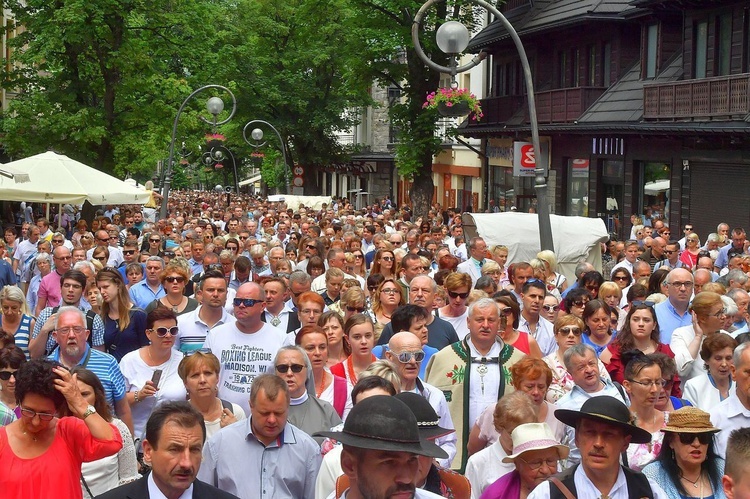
(299, 282)
(742, 299)
(583, 366)
(149, 289)
(733, 412)
(673, 312)
(580, 269)
(336, 260)
(734, 279)
(472, 373)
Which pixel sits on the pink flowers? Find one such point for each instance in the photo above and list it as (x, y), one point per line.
(450, 97)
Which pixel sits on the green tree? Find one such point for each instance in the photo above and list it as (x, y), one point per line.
(99, 80)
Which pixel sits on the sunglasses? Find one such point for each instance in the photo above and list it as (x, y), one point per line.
(505, 312)
(580, 303)
(551, 308)
(248, 302)
(154, 240)
(102, 240)
(161, 332)
(5, 375)
(689, 438)
(638, 303)
(358, 310)
(177, 278)
(311, 246)
(214, 266)
(284, 368)
(58, 241)
(388, 258)
(128, 252)
(463, 296)
(567, 330)
(620, 278)
(405, 357)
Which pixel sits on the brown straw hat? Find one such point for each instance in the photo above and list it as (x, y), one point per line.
(690, 420)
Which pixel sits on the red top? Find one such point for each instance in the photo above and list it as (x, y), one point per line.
(617, 371)
(57, 472)
(522, 342)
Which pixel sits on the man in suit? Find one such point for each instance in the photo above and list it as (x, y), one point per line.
(175, 434)
(473, 266)
(277, 313)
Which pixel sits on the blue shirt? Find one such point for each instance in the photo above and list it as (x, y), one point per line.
(142, 294)
(106, 369)
(669, 320)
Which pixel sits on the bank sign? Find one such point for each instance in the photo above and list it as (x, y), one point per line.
(524, 159)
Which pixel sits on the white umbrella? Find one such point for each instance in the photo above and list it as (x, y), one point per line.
(54, 178)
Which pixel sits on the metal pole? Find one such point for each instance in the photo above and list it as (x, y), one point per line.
(287, 170)
(163, 213)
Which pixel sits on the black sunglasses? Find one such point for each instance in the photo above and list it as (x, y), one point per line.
(505, 312)
(177, 278)
(359, 310)
(128, 252)
(463, 296)
(248, 302)
(689, 438)
(638, 303)
(284, 368)
(5, 375)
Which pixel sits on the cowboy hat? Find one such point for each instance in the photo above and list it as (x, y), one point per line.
(690, 420)
(428, 421)
(535, 436)
(608, 410)
(384, 423)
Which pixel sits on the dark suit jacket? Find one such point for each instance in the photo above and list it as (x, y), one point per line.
(139, 490)
(292, 324)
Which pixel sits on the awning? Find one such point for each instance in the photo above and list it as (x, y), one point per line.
(655, 188)
(250, 180)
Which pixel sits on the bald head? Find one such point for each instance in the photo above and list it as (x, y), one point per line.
(658, 245)
(404, 341)
(701, 278)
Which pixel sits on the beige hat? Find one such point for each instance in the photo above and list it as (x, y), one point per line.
(690, 420)
(534, 436)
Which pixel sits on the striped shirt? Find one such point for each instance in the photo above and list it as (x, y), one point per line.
(193, 331)
(97, 334)
(106, 369)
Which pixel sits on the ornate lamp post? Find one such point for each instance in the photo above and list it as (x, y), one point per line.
(452, 38)
(215, 106)
(257, 136)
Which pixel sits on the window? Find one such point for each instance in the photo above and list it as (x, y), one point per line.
(607, 64)
(575, 69)
(700, 36)
(652, 44)
(563, 70)
(724, 43)
(591, 77)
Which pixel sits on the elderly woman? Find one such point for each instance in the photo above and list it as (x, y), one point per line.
(714, 385)
(575, 301)
(598, 319)
(306, 411)
(536, 456)
(151, 371)
(708, 317)
(485, 464)
(43, 262)
(174, 277)
(568, 332)
(640, 332)
(508, 331)
(16, 319)
(492, 269)
(112, 471)
(42, 453)
(11, 360)
(200, 374)
(533, 377)
(458, 286)
(328, 387)
(687, 465)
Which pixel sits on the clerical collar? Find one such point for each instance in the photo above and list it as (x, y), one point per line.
(299, 401)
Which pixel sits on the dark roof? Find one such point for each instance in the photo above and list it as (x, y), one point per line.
(551, 14)
(656, 128)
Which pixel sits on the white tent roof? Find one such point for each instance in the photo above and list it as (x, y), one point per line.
(250, 180)
(54, 178)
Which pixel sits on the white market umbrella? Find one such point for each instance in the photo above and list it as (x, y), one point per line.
(54, 178)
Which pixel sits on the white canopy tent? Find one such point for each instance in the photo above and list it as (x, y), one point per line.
(575, 238)
(294, 202)
(54, 178)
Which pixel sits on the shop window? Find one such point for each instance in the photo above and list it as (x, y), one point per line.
(652, 45)
(700, 36)
(578, 188)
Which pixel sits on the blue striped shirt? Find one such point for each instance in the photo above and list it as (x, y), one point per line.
(106, 369)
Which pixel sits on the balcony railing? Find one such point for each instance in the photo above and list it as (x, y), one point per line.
(720, 96)
(565, 105)
(500, 109)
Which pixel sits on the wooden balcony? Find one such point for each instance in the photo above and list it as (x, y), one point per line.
(717, 97)
(565, 105)
(498, 110)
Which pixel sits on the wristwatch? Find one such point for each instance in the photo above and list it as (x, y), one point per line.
(89, 411)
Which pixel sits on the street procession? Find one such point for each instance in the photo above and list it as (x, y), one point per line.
(471, 250)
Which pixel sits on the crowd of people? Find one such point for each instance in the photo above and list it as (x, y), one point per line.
(254, 350)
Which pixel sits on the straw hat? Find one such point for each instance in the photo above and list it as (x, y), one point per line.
(535, 436)
(690, 420)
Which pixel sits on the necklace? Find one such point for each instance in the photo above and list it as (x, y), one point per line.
(350, 370)
(694, 483)
(319, 392)
(175, 308)
(32, 436)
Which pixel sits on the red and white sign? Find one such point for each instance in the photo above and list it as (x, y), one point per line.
(579, 168)
(524, 159)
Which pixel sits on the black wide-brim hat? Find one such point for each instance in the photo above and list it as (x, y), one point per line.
(428, 421)
(384, 423)
(607, 410)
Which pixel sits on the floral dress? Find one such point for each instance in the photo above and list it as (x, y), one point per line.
(639, 455)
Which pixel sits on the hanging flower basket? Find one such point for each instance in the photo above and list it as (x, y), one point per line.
(215, 140)
(218, 166)
(454, 102)
(257, 154)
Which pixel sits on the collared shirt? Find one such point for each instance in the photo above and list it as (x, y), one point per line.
(115, 256)
(622, 265)
(669, 320)
(483, 389)
(585, 488)
(235, 461)
(283, 319)
(106, 369)
(49, 293)
(142, 294)
(418, 494)
(155, 493)
(195, 267)
(729, 415)
(97, 335)
(193, 330)
(544, 334)
(235, 283)
(7, 416)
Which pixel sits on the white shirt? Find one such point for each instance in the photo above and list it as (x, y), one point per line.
(155, 493)
(729, 415)
(622, 265)
(687, 366)
(544, 334)
(115, 256)
(418, 494)
(702, 393)
(193, 331)
(318, 284)
(585, 488)
(480, 398)
(460, 323)
(485, 467)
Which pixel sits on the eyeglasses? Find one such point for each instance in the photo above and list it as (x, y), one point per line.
(358, 310)
(580, 303)
(58, 241)
(551, 308)
(247, 302)
(463, 296)
(390, 291)
(537, 463)
(284, 368)
(102, 240)
(44, 416)
(638, 303)
(175, 278)
(5, 375)
(688, 229)
(161, 332)
(214, 266)
(678, 285)
(567, 331)
(505, 312)
(689, 438)
(658, 383)
(68, 330)
(719, 314)
(620, 278)
(71, 285)
(670, 252)
(405, 357)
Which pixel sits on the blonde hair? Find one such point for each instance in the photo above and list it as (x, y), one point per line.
(385, 369)
(549, 257)
(610, 288)
(474, 295)
(14, 293)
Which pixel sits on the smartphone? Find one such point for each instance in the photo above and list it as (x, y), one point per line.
(156, 377)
